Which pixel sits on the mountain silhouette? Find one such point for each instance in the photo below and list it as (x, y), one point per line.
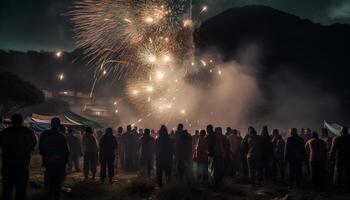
(294, 58)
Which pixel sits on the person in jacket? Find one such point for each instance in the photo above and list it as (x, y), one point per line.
(130, 149)
(210, 140)
(146, 149)
(17, 143)
(164, 149)
(108, 145)
(201, 157)
(340, 151)
(278, 164)
(295, 156)
(183, 154)
(75, 153)
(55, 154)
(120, 148)
(220, 155)
(266, 152)
(317, 151)
(235, 147)
(90, 150)
(252, 147)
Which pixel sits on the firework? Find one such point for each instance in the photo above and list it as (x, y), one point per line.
(146, 42)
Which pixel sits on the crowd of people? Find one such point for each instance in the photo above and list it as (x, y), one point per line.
(209, 155)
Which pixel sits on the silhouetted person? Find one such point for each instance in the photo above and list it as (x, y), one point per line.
(235, 147)
(340, 150)
(278, 164)
(195, 138)
(183, 154)
(129, 149)
(55, 153)
(210, 140)
(90, 150)
(17, 142)
(252, 147)
(317, 150)
(146, 149)
(266, 152)
(75, 151)
(120, 147)
(201, 156)
(295, 155)
(244, 161)
(108, 146)
(219, 157)
(164, 155)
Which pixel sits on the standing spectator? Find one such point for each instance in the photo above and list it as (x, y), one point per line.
(164, 155)
(90, 150)
(108, 146)
(244, 151)
(183, 154)
(266, 152)
(295, 155)
(146, 149)
(195, 138)
(129, 149)
(235, 145)
(252, 147)
(17, 143)
(55, 153)
(210, 141)
(317, 150)
(340, 150)
(219, 157)
(74, 146)
(201, 156)
(278, 165)
(120, 153)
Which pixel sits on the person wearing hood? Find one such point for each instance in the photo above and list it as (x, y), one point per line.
(74, 145)
(252, 147)
(164, 150)
(146, 149)
(295, 156)
(90, 150)
(266, 152)
(340, 151)
(108, 146)
(183, 153)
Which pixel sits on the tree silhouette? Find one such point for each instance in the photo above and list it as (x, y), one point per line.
(16, 93)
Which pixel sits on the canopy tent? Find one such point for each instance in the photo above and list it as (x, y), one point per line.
(332, 127)
(42, 122)
(73, 117)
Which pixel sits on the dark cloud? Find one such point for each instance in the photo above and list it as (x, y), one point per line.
(40, 24)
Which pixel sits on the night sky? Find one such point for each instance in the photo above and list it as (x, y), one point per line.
(40, 24)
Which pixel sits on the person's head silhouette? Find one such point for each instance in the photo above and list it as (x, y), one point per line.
(55, 123)
(17, 120)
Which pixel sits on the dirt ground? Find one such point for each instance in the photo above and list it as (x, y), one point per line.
(132, 186)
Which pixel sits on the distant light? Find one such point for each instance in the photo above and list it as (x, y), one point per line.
(135, 92)
(149, 20)
(204, 9)
(152, 59)
(219, 72)
(61, 76)
(183, 112)
(160, 75)
(65, 92)
(115, 103)
(149, 89)
(116, 111)
(98, 113)
(104, 72)
(58, 54)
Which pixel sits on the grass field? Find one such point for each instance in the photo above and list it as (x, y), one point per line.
(135, 187)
